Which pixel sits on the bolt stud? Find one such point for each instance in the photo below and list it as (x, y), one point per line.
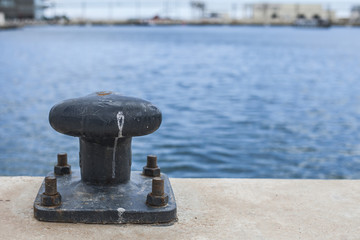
(151, 169)
(157, 197)
(62, 159)
(50, 197)
(50, 186)
(157, 186)
(151, 161)
(62, 167)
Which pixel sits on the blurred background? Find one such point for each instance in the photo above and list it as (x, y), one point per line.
(275, 12)
(247, 89)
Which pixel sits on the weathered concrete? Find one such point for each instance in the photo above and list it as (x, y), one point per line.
(209, 209)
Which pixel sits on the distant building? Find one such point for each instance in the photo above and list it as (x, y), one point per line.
(355, 14)
(22, 9)
(287, 12)
(219, 16)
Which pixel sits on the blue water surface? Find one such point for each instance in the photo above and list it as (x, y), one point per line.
(257, 102)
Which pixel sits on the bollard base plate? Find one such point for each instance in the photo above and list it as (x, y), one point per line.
(114, 204)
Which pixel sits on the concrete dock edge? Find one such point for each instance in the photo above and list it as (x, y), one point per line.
(208, 209)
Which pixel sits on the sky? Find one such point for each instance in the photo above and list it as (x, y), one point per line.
(180, 9)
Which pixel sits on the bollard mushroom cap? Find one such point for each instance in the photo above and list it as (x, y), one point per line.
(105, 115)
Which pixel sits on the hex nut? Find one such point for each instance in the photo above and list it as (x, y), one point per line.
(50, 201)
(62, 170)
(157, 201)
(151, 172)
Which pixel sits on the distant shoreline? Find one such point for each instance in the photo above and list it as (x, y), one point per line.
(190, 23)
(19, 24)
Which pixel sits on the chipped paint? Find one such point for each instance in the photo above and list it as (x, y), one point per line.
(120, 213)
(120, 118)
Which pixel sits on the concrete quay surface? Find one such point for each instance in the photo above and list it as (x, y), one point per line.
(208, 209)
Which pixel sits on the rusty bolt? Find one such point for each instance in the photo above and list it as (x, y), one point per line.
(50, 186)
(158, 186)
(151, 169)
(157, 197)
(50, 197)
(62, 159)
(62, 167)
(152, 161)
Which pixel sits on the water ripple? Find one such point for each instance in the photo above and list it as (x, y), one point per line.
(236, 102)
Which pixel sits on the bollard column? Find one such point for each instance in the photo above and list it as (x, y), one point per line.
(105, 190)
(105, 122)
